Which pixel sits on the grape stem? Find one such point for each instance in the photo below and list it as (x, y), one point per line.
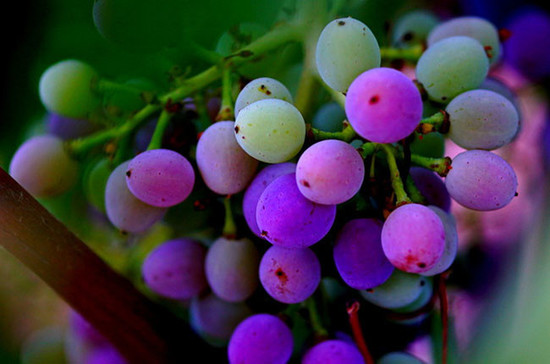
(411, 54)
(437, 122)
(229, 227)
(441, 166)
(162, 123)
(226, 109)
(319, 331)
(413, 191)
(347, 134)
(444, 303)
(353, 316)
(396, 182)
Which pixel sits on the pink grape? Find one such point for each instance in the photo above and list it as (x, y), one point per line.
(451, 242)
(481, 180)
(261, 338)
(333, 352)
(413, 238)
(431, 186)
(358, 254)
(175, 269)
(290, 275)
(160, 177)
(286, 218)
(383, 105)
(224, 166)
(330, 172)
(257, 186)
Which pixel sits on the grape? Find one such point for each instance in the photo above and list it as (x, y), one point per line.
(333, 352)
(45, 345)
(105, 355)
(175, 269)
(270, 130)
(68, 128)
(498, 86)
(160, 177)
(66, 89)
(81, 328)
(383, 105)
(261, 89)
(426, 293)
(400, 290)
(470, 26)
(330, 172)
(42, 166)
(428, 145)
(257, 186)
(431, 186)
(482, 119)
(232, 268)
(413, 238)
(329, 117)
(286, 218)
(215, 319)
(413, 28)
(358, 254)
(451, 242)
(260, 338)
(451, 66)
(345, 49)
(290, 275)
(398, 357)
(481, 180)
(124, 210)
(224, 166)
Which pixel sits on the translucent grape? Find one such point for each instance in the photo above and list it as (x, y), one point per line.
(481, 180)
(175, 269)
(383, 105)
(260, 338)
(257, 186)
(271, 130)
(451, 242)
(413, 28)
(160, 177)
(224, 166)
(286, 218)
(413, 238)
(358, 254)
(68, 128)
(333, 352)
(482, 119)
(329, 117)
(95, 181)
(232, 268)
(400, 290)
(470, 26)
(43, 167)
(330, 172)
(431, 186)
(65, 88)
(451, 66)
(261, 89)
(290, 275)
(345, 49)
(398, 357)
(124, 210)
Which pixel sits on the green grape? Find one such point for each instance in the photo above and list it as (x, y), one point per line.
(413, 28)
(260, 89)
(95, 180)
(429, 145)
(271, 130)
(65, 88)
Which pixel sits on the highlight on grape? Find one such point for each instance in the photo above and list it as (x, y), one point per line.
(329, 181)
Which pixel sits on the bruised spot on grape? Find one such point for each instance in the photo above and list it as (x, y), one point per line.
(443, 98)
(374, 100)
(341, 22)
(516, 194)
(422, 283)
(408, 36)
(237, 129)
(370, 290)
(264, 89)
(264, 234)
(488, 51)
(129, 173)
(281, 275)
(305, 183)
(421, 265)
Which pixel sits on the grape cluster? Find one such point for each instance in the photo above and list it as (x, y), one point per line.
(349, 196)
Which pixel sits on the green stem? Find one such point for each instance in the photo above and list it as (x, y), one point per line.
(347, 134)
(226, 109)
(441, 166)
(316, 323)
(411, 54)
(414, 193)
(437, 122)
(162, 123)
(396, 182)
(229, 227)
(367, 149)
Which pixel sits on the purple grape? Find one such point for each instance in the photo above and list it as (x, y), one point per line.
(160, 177)
(80, 327)
(290, 275)
(413, 238)
(42, 166)
(286, 218)
(358, 254)
(225, 167)
(451, 242)
(124, 210)
(257, 186)
(261, 338)
(431, 186)
(333, 352)
(105, 355)
(383, 105)
(481, 180)
(175, 269)
(68, 128)
(232, 268)
(330, 172)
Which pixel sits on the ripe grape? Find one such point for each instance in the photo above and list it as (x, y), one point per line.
(330, 172)
(270, 130)
(43, 167)
(413, 238)
(290, 275)
(345, 49)
(261, 89)
(333, 352)
(160, 177)
(260, 338)
(383, 105)
(286, 218)
(400, 290)
(232, 268)
(224, 166)
(358, 254)
(451, 242)
(65, 88)
(431, 186)
(481, 180)
(69, 128)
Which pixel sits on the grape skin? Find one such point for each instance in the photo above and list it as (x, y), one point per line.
(400, 290)
(261, 89)
(333, 352)
(451, 242)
